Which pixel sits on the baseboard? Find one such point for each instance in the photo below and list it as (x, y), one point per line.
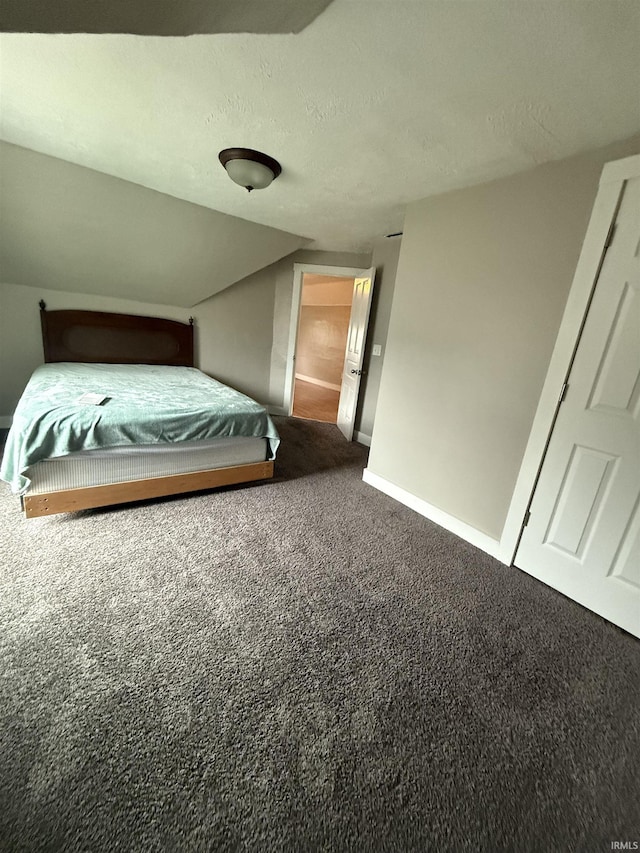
(5, 421)
(460, 528)
(313, 381)
(362, 438)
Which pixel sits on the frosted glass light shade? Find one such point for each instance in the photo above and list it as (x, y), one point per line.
(249, 174)
(248, 168)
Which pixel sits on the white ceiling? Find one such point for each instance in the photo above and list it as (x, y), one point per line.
(374, 104)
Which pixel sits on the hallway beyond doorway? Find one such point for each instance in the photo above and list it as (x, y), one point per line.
(314, 402)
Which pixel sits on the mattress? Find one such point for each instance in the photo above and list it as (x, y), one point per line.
(135, 405)
(123, 464)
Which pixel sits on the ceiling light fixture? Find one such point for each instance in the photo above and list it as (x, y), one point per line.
(248, 168)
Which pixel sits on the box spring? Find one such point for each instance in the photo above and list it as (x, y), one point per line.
(124, 464)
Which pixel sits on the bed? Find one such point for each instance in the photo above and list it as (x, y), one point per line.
(119, 413)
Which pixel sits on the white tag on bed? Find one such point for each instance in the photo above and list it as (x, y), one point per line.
(92, 399)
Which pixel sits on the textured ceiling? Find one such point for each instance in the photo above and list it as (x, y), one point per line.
(374, 104)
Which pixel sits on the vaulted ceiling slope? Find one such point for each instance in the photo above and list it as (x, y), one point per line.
(159, 17)
(65, 227)
(374, 104)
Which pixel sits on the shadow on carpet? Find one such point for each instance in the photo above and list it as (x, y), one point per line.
(308, 447)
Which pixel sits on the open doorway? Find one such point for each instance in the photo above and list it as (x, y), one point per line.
(323, 327)
(346, 351)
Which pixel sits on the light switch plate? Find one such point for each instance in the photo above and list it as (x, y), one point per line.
(377, 349)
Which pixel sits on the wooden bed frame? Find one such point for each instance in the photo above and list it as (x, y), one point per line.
(99, 337)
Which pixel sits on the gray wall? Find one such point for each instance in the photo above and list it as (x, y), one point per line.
(235, 329)
(235, 334)
(245, 329)
(482, 281)
(65, 227)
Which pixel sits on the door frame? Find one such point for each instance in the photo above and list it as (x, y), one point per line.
(298, 272)
(596, 241)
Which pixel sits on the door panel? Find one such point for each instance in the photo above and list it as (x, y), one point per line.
(583, 536)
(617, 385)
(354, 355)
(627, 560)
(581, 494)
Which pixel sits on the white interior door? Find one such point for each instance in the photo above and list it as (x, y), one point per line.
(354, 354)
(583, 533)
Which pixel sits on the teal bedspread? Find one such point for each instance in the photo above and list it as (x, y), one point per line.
(146, 404)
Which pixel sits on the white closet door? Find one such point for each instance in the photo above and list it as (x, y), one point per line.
(354, 354)
(583, 534)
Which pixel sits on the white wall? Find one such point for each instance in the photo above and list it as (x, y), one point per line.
(482, 281)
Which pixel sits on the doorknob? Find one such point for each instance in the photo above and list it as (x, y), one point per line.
(357, 372)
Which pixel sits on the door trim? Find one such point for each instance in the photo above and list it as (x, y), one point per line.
(612, 181)
(298, 272)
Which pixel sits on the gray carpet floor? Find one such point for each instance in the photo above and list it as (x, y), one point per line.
(301, 665)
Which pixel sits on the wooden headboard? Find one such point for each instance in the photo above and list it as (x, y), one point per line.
(100, 337)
